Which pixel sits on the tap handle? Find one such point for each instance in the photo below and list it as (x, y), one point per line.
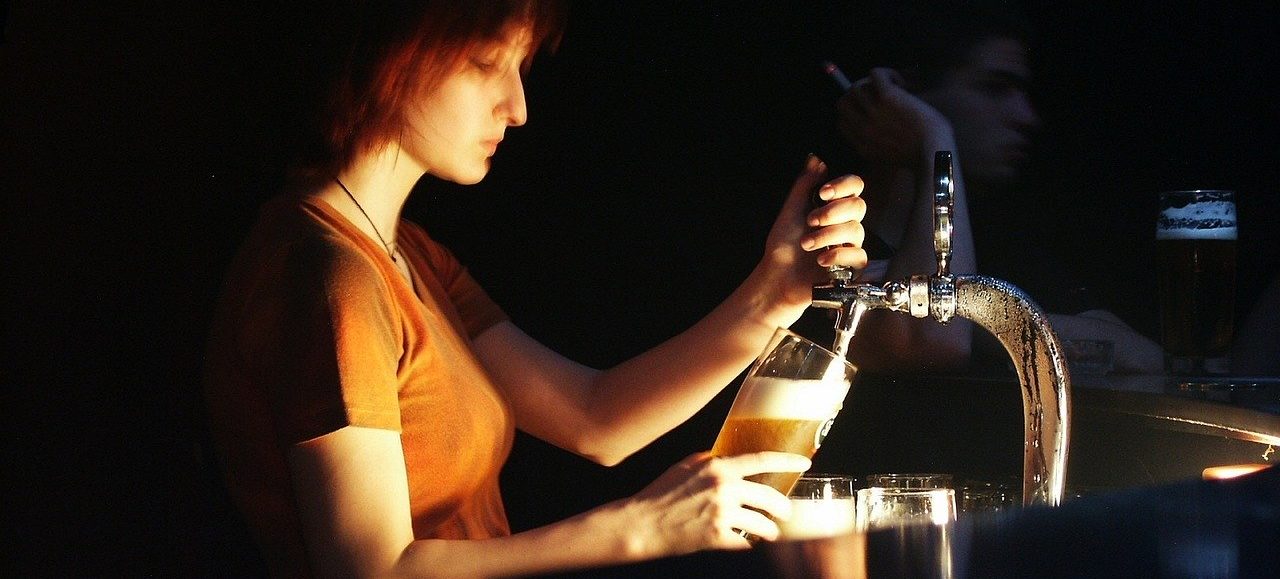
(943, 210)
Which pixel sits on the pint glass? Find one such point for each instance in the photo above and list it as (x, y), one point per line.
(822, 505)
(1196, 274)
(900, 499)
(787, 403)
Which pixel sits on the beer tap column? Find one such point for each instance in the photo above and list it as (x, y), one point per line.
(1000, 308)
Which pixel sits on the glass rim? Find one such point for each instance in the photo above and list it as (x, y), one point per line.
(906, 492)
(826, 476)
(906, 478)
(787, 332)
(824, 488)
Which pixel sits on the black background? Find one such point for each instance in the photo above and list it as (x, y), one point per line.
(138, 138)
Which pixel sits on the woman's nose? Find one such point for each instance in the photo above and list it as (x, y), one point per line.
(513, 104)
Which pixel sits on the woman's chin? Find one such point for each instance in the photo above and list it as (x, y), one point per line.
(469, 176)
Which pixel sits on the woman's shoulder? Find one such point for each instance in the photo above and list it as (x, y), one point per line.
(415, 234)
(298, 244)
(436, 255)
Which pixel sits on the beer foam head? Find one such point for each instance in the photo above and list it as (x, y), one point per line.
(1201, 215)
(768, 397)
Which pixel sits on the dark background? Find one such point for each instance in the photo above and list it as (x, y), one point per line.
(138, 138)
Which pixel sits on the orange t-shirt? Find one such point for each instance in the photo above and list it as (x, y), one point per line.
(317, 330)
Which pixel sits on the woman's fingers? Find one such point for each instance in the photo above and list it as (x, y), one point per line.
(810, 177)
(846, 210)
(764, 498)
(753, 507)
(754, 523)
(843, 255)
(838, 223)
(841, 187)
(848, 234)
(838, 232)
(753, 463)
(704, 501)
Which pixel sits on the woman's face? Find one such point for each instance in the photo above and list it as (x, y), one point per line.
(454, 129)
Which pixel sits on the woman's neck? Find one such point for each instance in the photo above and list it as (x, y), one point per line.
(380, 183)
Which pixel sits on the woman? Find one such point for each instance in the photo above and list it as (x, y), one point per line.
(365, 390)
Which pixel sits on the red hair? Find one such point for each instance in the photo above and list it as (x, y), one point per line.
(396, 50)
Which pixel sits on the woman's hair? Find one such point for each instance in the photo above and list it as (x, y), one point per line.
(378, 55)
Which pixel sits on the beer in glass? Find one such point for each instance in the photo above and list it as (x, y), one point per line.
(787, 403)
(1196, 274)
(822, 505)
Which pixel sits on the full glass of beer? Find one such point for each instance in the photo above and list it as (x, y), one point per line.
(1196, 275)
(787, 403)
(822, 505)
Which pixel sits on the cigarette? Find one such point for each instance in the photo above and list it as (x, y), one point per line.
(837, 75)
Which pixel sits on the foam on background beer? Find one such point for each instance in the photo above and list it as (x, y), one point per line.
(783, 415)
(1209, 219)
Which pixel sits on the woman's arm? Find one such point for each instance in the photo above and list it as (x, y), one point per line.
(606, 416)
(352, 495)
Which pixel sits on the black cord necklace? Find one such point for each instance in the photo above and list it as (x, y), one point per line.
(391, 252)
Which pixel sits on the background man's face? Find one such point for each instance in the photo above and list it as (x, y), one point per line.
(987, 103)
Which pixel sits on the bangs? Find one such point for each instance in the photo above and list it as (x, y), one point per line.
(484, 22)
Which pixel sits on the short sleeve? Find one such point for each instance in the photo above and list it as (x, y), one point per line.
(325, 343)
(477, 312)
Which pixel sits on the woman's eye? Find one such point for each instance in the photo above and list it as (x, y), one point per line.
(484, 64)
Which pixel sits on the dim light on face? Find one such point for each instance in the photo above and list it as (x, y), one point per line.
(455, 128)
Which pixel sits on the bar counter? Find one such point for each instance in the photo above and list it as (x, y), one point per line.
(1194, 528)
(1136, 505)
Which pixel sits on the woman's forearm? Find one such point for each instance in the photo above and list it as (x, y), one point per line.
(645, 397)
(700, 503)
(354, 507)
(607, 415)
(604, 536)
(648, 395)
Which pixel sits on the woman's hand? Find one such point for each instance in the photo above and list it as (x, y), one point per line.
(703, 502)
(884, 123)
(805, 240)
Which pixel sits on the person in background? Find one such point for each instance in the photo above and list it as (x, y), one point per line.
(955, 77)
(363, 389)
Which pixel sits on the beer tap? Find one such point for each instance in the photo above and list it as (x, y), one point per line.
(997, 306)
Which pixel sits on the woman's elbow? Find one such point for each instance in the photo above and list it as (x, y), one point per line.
(599, 446)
